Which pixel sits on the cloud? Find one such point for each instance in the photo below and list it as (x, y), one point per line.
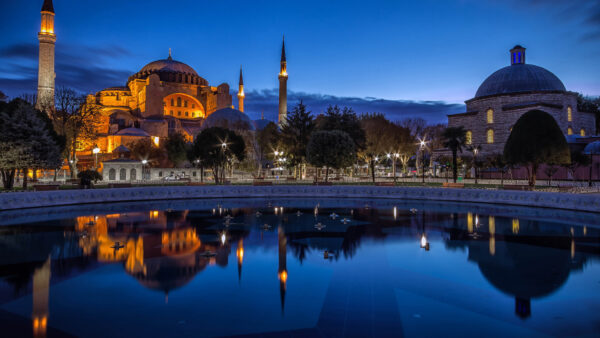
(584, 12)
(83, 68)
(267, 101)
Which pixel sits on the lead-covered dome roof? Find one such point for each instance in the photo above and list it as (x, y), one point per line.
(519, 77)
(170, 70)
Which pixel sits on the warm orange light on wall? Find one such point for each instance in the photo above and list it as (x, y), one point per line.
(283, 276)
(156, 140)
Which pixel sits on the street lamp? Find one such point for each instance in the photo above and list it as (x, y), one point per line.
(144, 162)
(96, 150)
(422, 143)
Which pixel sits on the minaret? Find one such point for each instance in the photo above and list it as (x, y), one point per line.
(241, 92)
(46, 75)
(283, 76)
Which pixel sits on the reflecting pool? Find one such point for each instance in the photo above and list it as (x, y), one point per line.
(289, 267)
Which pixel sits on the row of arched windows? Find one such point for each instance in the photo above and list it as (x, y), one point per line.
(112, 174)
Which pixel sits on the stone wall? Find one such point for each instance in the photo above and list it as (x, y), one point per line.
(578, 202)
(509, 108)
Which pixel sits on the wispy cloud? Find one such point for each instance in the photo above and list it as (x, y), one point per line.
(585, 13)
(267, 101)
(84, 68)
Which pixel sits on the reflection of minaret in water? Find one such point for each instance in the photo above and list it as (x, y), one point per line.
(41, 288)
(240, 258)
(282, 271)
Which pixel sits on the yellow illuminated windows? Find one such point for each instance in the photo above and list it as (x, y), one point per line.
(569, 114)
(569, 131)
(490, 136)
(582, 132)
(490, 116)
(468, 137)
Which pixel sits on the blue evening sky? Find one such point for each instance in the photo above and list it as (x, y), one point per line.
(398, 51)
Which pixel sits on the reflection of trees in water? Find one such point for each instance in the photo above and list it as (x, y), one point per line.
(26, 248)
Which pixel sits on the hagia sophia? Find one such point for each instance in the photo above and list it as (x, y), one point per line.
(163, 98)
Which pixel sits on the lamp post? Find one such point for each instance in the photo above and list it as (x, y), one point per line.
(96, 150)
(396, 155)
(423, 160)
(144, 162)
(475, 151)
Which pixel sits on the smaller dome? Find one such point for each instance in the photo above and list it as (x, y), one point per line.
(132, 132)
(592, 148)
(228, 118)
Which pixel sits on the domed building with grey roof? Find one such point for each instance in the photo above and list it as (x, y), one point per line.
(509, 93)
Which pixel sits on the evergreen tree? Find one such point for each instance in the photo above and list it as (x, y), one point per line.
(296, 133)
(175, 147)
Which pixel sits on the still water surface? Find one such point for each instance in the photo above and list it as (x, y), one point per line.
(299, 267)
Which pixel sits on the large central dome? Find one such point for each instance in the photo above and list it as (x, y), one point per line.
(170, 70)
(519, 77)
(168, 65)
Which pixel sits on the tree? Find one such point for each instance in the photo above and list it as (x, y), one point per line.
(590, 105)
(76, 118)
(415, 125)
(27, 141)
(343, 119)
(499, 162)
(454, 139)
(384, 137)
(217, 147)
(536, 139)
(89, 176)
(331, 149)
(3, 97)
(295, 135)
(267, 140)
(175, 147)
(145, 149)
(578, 159)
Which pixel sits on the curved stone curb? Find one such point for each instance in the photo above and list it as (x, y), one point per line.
(577, 202)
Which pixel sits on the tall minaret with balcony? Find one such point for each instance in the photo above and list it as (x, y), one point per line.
(283, 76)
(241, 92)
(46, 74)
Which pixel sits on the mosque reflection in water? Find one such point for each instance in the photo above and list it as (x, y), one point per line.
(165, 250)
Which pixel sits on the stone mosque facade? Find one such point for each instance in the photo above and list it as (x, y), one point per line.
(163, 98)
(509, 93)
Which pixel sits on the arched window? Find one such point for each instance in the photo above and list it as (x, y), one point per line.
(490, 116)
(172, 102)
(122, 174)
(490, 136)
(133, 174)
(112, 174)
(582, 132)
(569, 131)
(185, 103)
(468, 137)
(178, 102)
(569, 114)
